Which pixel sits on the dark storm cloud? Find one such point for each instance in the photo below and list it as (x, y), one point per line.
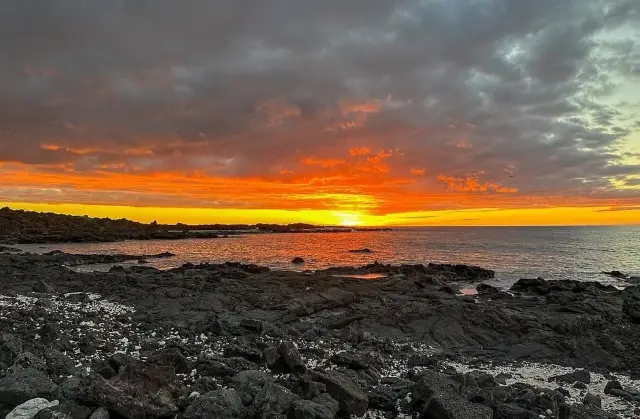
(512, 89)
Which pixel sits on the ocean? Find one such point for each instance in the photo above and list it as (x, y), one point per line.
(513, 252)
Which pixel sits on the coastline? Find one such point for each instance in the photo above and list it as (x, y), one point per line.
(202, 332)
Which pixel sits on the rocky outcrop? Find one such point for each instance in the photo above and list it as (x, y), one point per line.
(198, 339)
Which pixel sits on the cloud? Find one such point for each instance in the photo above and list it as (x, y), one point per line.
(540, 97)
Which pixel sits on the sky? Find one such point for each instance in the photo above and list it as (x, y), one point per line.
(406, 112)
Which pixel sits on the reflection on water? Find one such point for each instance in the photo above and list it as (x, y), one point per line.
(513, 252)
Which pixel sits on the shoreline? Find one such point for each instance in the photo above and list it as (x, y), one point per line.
(207, 329)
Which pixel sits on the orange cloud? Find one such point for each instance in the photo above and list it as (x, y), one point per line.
(310, 161)
(360, 151)
(418, 172)
(472, 184)
(354, 106)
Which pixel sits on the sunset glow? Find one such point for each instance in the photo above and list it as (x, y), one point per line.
(379, 117)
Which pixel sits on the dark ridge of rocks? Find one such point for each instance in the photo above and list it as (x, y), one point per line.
(616, 274)
(365, 250)
(8, 249)
(442, 272)
(233, 340)
(19, 226)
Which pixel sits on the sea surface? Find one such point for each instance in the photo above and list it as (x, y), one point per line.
(513, 252)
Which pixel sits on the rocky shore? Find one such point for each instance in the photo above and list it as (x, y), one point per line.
(242, 341)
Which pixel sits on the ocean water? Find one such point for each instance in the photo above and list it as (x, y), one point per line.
(513, 252)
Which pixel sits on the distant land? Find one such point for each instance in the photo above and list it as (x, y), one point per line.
(19, 226)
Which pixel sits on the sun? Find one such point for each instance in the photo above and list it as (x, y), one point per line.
(349, 219)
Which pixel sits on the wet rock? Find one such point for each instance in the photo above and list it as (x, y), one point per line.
(532, 285)
(365, 250)
(66, 410)
(593, 400)
(306, 409)
(171, 357)
(582, 376)
(297, 260)
(219, 404)
(354, 361)
(617, 274)
(289, 352)
(486, 289)
(25, 384)
(30, 408)
(353, 401)
(512, 411)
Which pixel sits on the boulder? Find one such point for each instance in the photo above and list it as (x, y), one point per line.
(327, 401)
(66, 410)
(249, 383)
(306, 409)
(272, 400)
(171, 357)
(592, 400)
(486, 289)
(30, 408)
(582, 376)
(353, 401)
(10, 348)
(224, 367)
(243, 350)
(24, 384)
(139, 390)
(43, 288)
(100, 413)
(512, 411)
(297, 260)
(631, 306)
(219, 404)
(252, 325)
(365, 250)
(275, 361)
(532, 285)
(292, 357)
(434, 397)
(578, 411)
(616, 274)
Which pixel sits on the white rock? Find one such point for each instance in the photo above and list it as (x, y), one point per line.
(30, 408)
